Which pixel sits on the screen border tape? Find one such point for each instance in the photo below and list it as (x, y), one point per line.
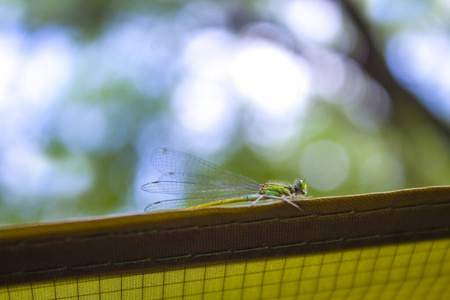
(183, 238)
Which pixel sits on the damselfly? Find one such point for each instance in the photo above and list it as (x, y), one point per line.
(204, 184)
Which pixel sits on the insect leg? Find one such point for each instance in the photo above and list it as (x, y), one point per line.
(284, 198)
(256, 201)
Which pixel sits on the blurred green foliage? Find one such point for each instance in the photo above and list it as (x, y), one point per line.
(94, 140)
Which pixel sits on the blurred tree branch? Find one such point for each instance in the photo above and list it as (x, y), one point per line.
(375, 65)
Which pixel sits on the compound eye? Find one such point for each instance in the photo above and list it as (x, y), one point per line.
(301, 187)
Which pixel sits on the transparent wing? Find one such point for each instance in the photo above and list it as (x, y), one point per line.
(188, 202)
(194, 188)
(195, 178)
(182, 166)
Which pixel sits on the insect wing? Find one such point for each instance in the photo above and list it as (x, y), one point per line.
(195, 179)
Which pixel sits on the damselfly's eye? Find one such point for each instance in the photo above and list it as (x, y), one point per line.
(300, 186)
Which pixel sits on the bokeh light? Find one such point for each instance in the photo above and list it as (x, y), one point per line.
(326, 165)
(274, 90)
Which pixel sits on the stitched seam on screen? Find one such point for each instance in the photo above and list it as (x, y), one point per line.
(196, 227)
(255, 249)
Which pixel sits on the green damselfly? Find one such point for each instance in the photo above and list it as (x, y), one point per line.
(205, 184)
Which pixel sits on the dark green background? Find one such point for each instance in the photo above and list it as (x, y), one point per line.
(85, 152)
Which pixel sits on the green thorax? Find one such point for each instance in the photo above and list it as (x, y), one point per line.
(274, 189)
(280, 190)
